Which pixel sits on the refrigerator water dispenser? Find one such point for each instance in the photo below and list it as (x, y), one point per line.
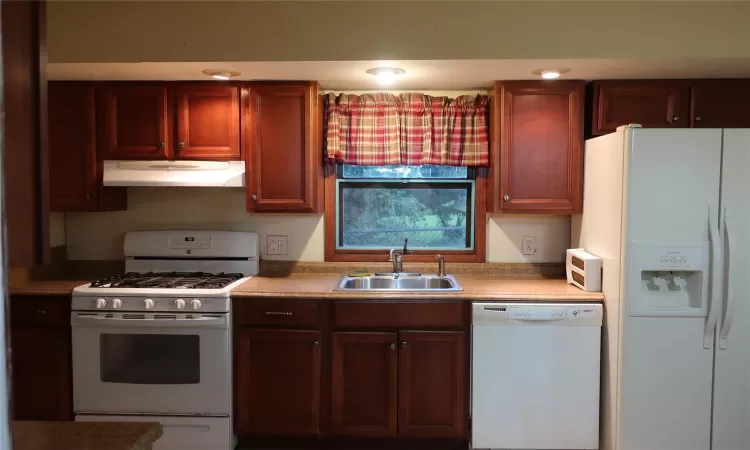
(669, 281)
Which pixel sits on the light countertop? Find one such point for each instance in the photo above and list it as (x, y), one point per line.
(320, 285)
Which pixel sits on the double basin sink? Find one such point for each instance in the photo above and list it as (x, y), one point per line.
(402, 282)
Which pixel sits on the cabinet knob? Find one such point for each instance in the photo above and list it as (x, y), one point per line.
(161, 144)
(254, 197)
(316, 343)
(403, 344)
(675, 118)
(698, 118)
(393, 346)
(88, 196)
(181, 144)
(506, 198)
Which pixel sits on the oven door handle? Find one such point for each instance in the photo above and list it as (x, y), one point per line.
(79, 319)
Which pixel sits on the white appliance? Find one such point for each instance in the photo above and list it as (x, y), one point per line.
(155, 343)
(535, 375)
(174, 173)
(669, 213)
(583, 270)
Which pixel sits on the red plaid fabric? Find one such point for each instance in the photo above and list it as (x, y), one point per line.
(411, 129)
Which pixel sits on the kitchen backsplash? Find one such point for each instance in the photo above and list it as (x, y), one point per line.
(99, 236)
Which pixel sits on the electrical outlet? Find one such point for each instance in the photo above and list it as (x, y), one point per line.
(528, 246)
(277, 245)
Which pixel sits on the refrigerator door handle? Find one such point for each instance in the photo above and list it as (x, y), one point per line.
(713, 308)
(729, 314)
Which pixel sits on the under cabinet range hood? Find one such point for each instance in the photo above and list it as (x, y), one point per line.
(174, 173)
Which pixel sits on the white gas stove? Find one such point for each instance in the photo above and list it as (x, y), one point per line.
(155, 343)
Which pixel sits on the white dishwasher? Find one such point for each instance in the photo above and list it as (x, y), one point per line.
(535, 375)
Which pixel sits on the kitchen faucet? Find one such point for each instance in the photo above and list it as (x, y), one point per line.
(397, 257)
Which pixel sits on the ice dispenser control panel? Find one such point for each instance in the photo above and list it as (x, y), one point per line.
(668, 281)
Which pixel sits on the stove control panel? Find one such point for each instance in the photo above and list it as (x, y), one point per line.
(173, 304)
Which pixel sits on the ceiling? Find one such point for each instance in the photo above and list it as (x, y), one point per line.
(424, 75)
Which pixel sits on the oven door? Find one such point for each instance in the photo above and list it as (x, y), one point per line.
(133, 363)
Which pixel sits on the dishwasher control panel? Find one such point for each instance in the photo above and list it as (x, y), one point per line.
(533, 312)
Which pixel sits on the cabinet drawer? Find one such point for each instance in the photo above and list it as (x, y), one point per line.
(276, 312)
(390, 314)
(34, 310)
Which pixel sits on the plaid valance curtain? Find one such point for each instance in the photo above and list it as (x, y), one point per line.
(383, 129)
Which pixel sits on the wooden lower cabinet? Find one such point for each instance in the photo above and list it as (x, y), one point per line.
(410, 384)
(40, 358)
(364, 389)
(432, 384)
(277, 384)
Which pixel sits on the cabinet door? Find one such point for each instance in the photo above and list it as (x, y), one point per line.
(208, 122)
(721, 104)
(650, 103)
(277, 390)
(538, 153)
(282, 167)
(41, 373)
(24, 128)
(136, 121)
(364, 384)
(431, 384)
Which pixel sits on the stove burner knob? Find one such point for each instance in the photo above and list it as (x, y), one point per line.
(179, 303)
(148, 303)
(100, 303)
(195, 303)
(116, 303)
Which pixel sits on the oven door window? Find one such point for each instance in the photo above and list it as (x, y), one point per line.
(150, 358)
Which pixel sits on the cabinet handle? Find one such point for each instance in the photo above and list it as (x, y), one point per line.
(88, 196)
(675, 118)
(279, 313)
(254, 197)
(698, 118)
(506, 198)
(181, 144)
(41, 312)
(393, 346)
(316, 343)
(403, 344)
(161, 144)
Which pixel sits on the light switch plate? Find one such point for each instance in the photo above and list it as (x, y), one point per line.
(277, 245)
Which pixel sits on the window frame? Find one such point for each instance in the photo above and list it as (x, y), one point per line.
(479, 223)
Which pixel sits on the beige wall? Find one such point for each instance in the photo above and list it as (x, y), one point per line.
(100, 235)
(56, 229)
(136, 31)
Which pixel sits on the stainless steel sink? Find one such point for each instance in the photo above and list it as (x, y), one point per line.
(400, 283)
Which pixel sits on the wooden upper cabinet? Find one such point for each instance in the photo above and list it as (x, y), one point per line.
(721, 104)
(432, 384)
(650, 103)
(284, 164)
(136, 121)
(75, 172)
(364, 388)
(208, 122)
(537, 147)
(277, 389)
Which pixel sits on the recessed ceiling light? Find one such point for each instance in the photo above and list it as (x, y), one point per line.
(386, 75)
(550, 74)
(220, 74)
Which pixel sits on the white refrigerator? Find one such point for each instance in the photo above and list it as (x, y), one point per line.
(668, 211)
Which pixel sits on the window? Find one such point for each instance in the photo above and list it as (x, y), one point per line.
(377, 207)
